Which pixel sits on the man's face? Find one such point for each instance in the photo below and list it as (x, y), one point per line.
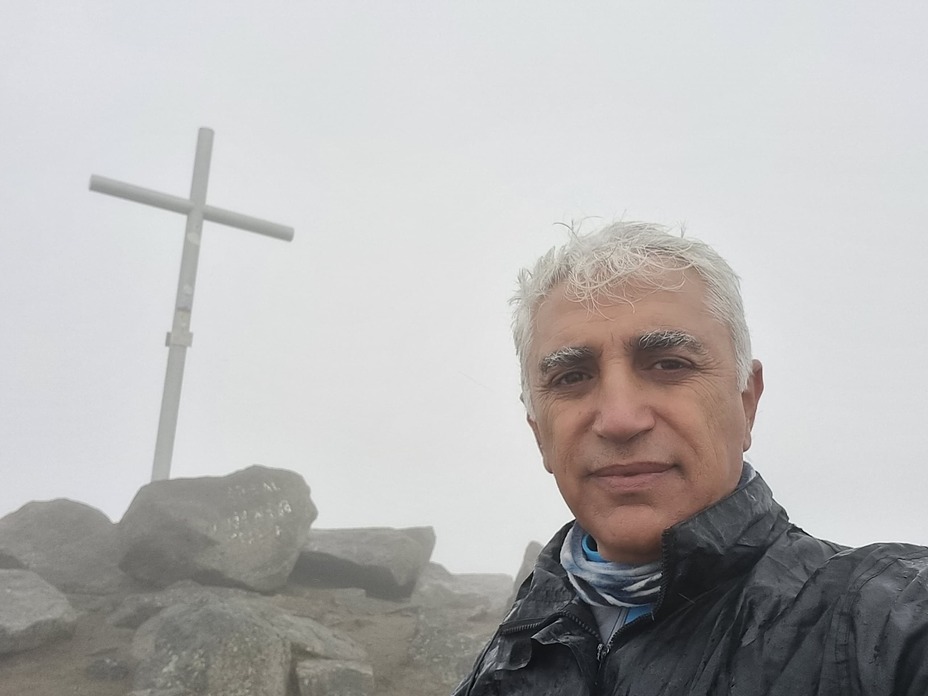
(638, 411)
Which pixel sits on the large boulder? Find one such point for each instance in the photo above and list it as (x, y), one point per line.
(384, 562)
(32, 612)
(73, 546)
(219, 644)
(210, 648)
(242, 530)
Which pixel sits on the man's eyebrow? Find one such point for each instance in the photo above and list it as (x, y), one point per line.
(662, 339)
(564, 357)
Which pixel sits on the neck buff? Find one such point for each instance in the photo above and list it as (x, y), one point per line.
(606, 583)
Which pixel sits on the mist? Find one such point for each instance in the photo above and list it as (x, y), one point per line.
(423, 154)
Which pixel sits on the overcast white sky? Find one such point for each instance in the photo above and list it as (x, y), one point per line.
(424, 152)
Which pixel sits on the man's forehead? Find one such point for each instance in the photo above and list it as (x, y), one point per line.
(629, 312)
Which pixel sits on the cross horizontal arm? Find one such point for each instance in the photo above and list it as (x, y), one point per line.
(165, 201)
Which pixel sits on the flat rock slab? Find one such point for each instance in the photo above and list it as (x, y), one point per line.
(73, 546)
(488, 593)
(383, 561)
(136, 609)
(309, 638)
(242, 530)
(32, 612)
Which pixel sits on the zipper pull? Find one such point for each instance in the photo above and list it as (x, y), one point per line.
(600, 652)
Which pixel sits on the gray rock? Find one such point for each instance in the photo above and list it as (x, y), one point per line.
(446, 644)
(210, 648)
(306, 637)
(242, 530)
(334, 678)
(310, 638)
(71, 545)
(32, 612)
(383, 561)
(136, 609)
(480, 592)
(215, 643)
(8, 561)
(107, 669)
(528, 565)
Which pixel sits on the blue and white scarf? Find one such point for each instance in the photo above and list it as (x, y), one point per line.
(604, 583)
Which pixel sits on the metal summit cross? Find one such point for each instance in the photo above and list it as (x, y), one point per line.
(180, 338)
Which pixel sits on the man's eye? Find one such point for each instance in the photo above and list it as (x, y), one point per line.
(569, 378)
(668, 364)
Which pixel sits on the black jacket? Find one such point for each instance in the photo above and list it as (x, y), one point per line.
(749, 605)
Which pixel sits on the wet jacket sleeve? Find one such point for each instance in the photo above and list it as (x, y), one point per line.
(887, 628)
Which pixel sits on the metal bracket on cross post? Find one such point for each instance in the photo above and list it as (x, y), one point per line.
(179, 338)
(172, 339)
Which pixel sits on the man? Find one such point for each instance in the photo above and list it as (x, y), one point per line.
(680, 574)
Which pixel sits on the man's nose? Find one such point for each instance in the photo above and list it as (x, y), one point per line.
(623, 407)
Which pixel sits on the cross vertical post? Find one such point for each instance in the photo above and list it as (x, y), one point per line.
(180, 338)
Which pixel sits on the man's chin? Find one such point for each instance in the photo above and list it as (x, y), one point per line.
(632, 537)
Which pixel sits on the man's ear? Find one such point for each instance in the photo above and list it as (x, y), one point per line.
(750, 398)
(534, 426)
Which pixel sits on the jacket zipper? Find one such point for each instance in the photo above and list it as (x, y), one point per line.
(601, 649)
(604, 649)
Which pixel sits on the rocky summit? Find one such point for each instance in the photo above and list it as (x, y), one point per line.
(219, 586)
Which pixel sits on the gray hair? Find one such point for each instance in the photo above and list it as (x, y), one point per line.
(597, 265)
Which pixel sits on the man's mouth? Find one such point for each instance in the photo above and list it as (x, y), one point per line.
(630, 477)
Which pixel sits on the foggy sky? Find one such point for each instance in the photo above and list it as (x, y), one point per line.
(424, 152)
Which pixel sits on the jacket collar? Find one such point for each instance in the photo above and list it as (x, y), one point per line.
(698, 554)
(719, 543)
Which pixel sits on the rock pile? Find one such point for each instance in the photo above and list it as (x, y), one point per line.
(219, 587)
